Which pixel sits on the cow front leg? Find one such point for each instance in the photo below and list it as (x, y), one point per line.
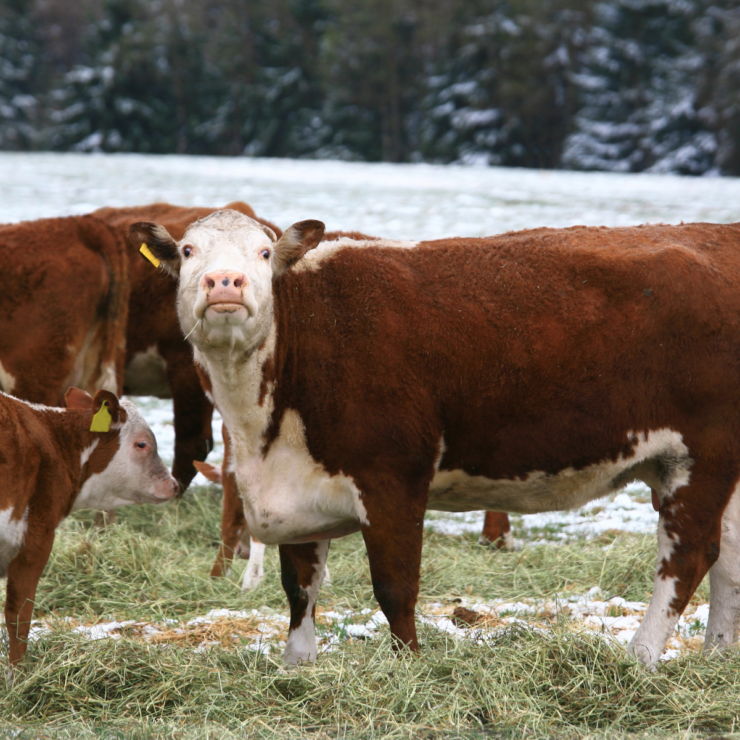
(497, 531)
(24, 573)
(689, 533)
(724, 583)
(302, 570)
(394, 543)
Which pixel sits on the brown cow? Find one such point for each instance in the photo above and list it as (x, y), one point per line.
(64, 291)
(159, 362)
(52, 463)
(527, 372)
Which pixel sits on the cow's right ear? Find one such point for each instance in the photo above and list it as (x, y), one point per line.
(154, 241)
(75, 398)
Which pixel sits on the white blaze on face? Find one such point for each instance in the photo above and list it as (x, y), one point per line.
(7, 381)
(226, 242)
(135, 474)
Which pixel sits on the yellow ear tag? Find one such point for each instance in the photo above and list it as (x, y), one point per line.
(148, 254)
(101, 421)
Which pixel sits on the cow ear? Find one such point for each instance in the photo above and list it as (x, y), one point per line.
(155, 244)
(294, 243)
(75, 398)
(109, 403)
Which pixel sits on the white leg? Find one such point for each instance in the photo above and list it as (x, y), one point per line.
(724, 582)
(660, 620)
(255, 571)
(301, 646)
(327, 576)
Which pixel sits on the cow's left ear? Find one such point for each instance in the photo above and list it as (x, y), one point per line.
(104, 404)
(295, 242)
(155, 244)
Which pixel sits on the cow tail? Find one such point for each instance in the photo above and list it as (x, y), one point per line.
(101, 238)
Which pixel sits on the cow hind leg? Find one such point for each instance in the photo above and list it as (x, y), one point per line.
(302, 569)
(233, 526)
(688, 546)
(724, 583)
(255, 571)
(497, 531)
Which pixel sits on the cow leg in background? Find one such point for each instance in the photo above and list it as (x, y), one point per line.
(724, 582)
(302, 570)
(689, 533)
(24, 573)
(193, 414)
(233, 523)
(497, 531)
(255, 571)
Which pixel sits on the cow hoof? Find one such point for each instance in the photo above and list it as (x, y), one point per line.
(505, 542)
(643, 654)
(10, 677)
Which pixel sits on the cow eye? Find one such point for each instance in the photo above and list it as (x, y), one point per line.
(265, 254)
(141, 445)
(187, 251)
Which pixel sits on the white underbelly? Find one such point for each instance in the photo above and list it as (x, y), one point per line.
(455, 490)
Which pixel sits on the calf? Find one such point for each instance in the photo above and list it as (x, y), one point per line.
(527, 372)
(97, 453)
(159, 362)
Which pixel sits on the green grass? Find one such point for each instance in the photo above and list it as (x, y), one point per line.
(525, 683)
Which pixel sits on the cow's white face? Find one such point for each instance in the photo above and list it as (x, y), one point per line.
(226, 263)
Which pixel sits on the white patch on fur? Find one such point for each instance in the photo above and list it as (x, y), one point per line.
(86, 364)
(35, 406)
(7, 381)
(440, 454)
(660, 619)
(455, 490)
(85, 456)
(301, 646)
(107, 380)
(724, 582)
(12, 532)
(146, 374)
(255, 571)
(315, 258)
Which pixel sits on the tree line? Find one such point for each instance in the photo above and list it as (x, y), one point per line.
(619, 85)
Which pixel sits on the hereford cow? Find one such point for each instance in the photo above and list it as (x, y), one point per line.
(98, 453)
(159, 362)
(526, 372)
(64, 291)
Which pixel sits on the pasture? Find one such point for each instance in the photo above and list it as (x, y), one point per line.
(133, 639)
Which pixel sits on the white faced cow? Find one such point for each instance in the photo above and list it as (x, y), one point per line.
(363, 383)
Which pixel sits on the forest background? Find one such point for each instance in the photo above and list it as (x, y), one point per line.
(619, 85)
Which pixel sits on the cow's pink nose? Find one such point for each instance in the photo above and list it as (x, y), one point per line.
(224, 287)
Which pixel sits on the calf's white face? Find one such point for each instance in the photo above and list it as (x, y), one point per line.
(133, 474)
(225, 264)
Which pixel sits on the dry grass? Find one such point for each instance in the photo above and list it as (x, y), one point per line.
(548, 682)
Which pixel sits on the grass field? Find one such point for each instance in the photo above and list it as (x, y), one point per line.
(535, 676)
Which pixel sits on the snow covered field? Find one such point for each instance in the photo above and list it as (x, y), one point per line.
(399, 201)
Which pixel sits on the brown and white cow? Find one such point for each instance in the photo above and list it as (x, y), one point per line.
(526, 372)
(51, 463)
(159, 362)
(64, 291)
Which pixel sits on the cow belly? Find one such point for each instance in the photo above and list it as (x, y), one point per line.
(146, 375)
(660, 459)
(12, 532)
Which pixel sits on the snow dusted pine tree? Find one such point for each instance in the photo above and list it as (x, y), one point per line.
(639, 78)
(19, 68)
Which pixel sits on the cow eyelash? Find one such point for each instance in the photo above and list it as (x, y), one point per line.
(188, 251)
(265, 253)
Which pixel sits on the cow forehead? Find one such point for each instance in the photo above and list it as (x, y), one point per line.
(225, 228)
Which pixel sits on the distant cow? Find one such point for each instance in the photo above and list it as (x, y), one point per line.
(159, 362)
(64, 291)
(527, 372)
(52, 463)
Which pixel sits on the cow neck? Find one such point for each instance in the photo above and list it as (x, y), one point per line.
(237, 386)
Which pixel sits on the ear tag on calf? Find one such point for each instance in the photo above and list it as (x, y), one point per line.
(148, 254)
(101, 421)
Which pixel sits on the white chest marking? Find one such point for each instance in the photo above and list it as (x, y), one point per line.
(12, 532)
(7, 381)
(660, 458)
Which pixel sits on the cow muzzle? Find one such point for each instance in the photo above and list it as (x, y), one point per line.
(224, 291)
